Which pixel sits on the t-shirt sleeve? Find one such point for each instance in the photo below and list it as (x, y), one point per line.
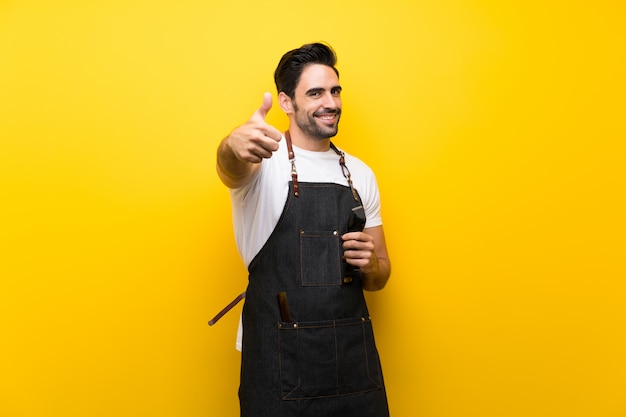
(371, 202)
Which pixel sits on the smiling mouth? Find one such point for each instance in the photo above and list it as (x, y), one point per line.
(327, 116)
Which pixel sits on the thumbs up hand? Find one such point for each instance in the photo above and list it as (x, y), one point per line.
(255, 139)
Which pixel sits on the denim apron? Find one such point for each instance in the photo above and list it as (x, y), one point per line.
(319, 358)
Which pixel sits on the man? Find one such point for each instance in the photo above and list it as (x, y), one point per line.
(308, 346)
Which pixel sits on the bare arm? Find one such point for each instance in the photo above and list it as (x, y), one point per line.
(240, 153)
(368, 251)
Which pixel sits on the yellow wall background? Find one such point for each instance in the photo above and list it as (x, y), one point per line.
(497, 133)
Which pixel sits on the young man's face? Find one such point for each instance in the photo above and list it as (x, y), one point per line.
(317, 102)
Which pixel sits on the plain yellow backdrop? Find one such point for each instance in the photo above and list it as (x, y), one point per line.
(496, 130)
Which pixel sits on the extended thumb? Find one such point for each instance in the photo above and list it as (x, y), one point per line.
(266, 106)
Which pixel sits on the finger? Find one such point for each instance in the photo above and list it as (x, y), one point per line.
(356, 236)
(272, 133)
(266, 150)
(356, 258)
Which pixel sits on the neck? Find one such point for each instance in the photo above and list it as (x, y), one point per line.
(302, 141)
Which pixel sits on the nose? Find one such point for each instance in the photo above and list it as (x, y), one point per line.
(330, 101)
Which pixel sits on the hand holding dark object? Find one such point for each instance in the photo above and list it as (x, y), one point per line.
(355, 224)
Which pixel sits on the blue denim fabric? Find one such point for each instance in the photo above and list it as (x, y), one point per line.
(323, 363)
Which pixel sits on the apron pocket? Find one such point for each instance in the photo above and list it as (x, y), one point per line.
(320, 258)
(328, 358)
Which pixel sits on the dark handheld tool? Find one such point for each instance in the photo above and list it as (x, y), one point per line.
(356, 223)
(357, 219)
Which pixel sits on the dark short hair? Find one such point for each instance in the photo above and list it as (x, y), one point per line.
(291, 65)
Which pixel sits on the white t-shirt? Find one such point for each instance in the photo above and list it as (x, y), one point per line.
(257, 206)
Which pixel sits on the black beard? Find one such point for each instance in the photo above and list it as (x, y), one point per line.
(313, 130)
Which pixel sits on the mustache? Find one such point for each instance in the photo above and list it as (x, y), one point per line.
(327, 111)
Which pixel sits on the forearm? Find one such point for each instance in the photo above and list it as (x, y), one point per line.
(233, 172)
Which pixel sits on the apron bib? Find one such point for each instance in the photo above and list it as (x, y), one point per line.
(310, 351)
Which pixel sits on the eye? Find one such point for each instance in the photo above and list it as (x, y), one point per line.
(335, 91)
(315, 92)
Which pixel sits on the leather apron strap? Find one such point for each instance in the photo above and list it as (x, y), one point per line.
(227, 308)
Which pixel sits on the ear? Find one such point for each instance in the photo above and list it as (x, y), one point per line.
(285, 102)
